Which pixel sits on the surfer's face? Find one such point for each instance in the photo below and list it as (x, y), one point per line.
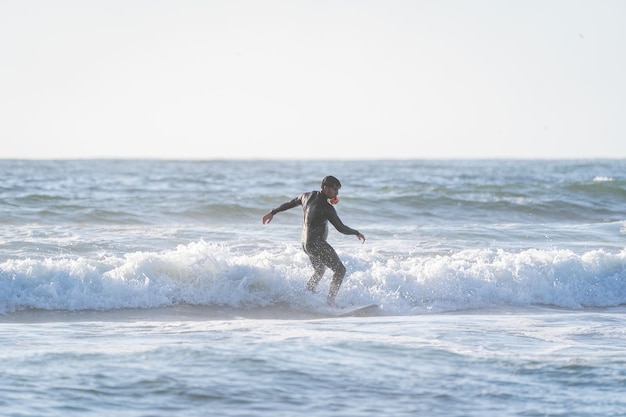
(331, 192)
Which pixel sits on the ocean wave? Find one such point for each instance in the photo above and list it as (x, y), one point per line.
(210, 274)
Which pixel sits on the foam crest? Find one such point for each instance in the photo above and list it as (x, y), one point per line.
(213, 274)
(603, 179)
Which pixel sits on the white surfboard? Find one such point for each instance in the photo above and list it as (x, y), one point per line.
(355, 311)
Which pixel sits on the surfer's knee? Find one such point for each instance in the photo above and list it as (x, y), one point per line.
(311, 285)
(339, 270)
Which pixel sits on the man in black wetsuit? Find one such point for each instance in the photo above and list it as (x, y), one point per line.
(318, 211)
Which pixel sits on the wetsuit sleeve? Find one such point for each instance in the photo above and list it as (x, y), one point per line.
(334, 219)
(288, 205)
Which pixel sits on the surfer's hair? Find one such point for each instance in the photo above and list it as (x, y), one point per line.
(331, 181)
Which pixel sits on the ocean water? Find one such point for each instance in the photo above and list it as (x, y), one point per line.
(151, 288)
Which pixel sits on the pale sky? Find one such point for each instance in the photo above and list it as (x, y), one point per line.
(314, 79)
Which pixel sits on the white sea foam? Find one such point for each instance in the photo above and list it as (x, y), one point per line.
(213, 274)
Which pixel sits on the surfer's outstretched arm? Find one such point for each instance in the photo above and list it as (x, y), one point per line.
(285, 206)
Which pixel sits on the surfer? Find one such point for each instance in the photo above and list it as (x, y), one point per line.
(318, 211)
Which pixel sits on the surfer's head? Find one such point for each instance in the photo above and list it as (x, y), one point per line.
(330, 187)
(332, 182)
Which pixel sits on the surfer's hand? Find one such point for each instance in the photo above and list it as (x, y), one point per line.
(268, 218)
(361, 237)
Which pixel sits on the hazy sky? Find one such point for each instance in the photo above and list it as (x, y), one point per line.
(312, 79)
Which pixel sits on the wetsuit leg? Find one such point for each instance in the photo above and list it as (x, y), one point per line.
(319, 269)
(340, 272)
(323, 255)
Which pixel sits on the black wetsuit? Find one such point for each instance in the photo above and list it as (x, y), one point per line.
(317, 212)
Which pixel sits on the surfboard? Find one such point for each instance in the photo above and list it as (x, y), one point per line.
(355, 311)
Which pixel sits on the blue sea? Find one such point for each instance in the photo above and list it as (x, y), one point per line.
(152, 288)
